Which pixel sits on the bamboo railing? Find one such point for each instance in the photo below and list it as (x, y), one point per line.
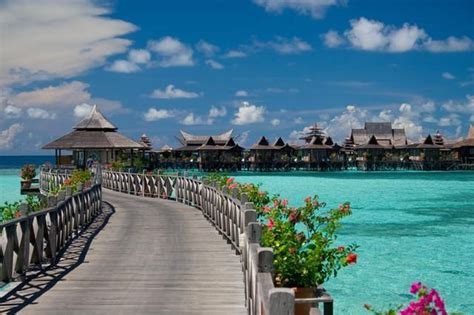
(236, 219)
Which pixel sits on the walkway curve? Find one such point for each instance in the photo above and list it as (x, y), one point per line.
(154, 256)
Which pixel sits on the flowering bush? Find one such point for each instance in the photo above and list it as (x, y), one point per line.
(429, 303)
(28, 172)
(304, 242)
(303, 239)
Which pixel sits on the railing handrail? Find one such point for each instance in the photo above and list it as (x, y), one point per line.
(38, 237)
(235, 218)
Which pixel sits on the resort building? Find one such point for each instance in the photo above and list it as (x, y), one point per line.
(208, 152)
(382, 131)
(319, 151)
(93, 138)
(266, 156)
(465, 148)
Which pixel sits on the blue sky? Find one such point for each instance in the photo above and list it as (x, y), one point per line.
(262, 67)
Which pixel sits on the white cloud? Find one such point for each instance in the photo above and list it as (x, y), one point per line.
(332, 39)
(8, 135)
(206, 48)
(352, 117)
(214, 64)
(241, 93)
(451, 44)
(12, 111)
(139, 56)
(53, 96)
(448, 76)
(173, 53)
(123, 66)
(172, 92)
(275, 122)
(408, 119)
(82, 110)
(315, 8)
(449, 120)
(244, 136)
(192, 119)
(56, 39)
(235, 54)
(285, 46)
(298, 120)
(154, 114)
(386, 115)
(217, 112)
(460, 107)
(372, 35)
(249, 114)
(39, 113)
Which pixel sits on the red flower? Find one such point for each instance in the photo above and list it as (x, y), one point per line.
(266, 209)
(270, 223)
(351, 258)
(234, 185)
(292, 217)
(341, 248)
(229, 181)
(308, 199)
(284, 202)
(261, 193)
(67, 182)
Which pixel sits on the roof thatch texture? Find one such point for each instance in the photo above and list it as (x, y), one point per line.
(468, 142)
(189, 139)
(382, 131)
(372, 144)
(93, 139)
(94, 132)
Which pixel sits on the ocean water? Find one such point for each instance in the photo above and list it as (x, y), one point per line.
(9, 174)
(411, 226)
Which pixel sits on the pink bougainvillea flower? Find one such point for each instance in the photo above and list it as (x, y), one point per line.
(341, 248)
(229, 181)
(261, 193)
(234, 185)
(351, 258)
(292, 217)
(276, 203)
(284, 202)
(270, 223)
(266, 209)
(415, 287)
(308, 199)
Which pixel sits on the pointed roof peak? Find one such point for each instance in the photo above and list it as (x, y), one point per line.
(279, 142)
(428, 140)
(95, 120)
(263, 141)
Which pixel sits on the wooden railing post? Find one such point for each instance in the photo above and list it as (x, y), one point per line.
(24, 250)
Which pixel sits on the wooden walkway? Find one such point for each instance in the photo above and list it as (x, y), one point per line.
(152, 256)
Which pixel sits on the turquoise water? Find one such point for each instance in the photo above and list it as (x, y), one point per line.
(9, 185)
(411, 226)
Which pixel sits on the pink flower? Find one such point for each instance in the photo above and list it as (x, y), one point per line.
(261, 193)
(292, 217)
(308, 199)
(234, 185)
(284, 202)
(276, 203)
(229, 181)
(270, 223)
(415, 287)
(266, 209)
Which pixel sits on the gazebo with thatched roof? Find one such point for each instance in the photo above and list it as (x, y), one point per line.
(95, 138)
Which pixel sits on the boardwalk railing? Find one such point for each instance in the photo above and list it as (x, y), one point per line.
(36, 238)
(236, 219)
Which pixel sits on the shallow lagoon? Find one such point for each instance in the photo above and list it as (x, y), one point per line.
(410, 226)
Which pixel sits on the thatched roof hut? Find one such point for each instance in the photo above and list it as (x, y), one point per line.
(93, 132)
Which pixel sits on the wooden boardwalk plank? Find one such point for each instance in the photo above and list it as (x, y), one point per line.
(153, 256)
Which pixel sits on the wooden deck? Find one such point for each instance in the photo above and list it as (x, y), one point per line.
(142, 256)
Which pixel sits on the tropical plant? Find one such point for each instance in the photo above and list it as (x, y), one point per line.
(9, 211)
(428, 302)
(303, 239)
(28, 172)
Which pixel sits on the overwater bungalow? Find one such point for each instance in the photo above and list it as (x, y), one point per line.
(465, 148)
(94, 138)
(319, 151)
(208, 152)
(266, 156)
